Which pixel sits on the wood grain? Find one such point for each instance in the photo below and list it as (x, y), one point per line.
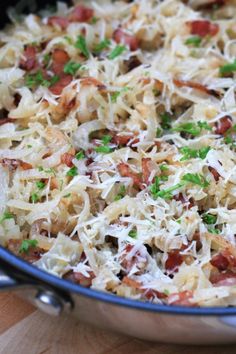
(25, 330)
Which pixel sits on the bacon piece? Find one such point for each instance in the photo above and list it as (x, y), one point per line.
(224, 124)
(174, 260)
(13, 164)
(33, 254)
(226, 278)
(220, 262)
(132, 63)
(181, 299)
(151, 294)
(146, 169)
(131, 282)
(30, 61)
(67, 158)
(188, 203)
(59, 59)
(120, 36)
(197, 238)
(136, 259)
(87, 81)
(196, 86)
(81, 14)
(81, 279)
(125, 171)
(214, 173)
(6, 120)
(58, 87)
(125, 139)
(203, 28)
(58, 21)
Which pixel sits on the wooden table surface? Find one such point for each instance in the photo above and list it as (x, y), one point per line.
(25, 330)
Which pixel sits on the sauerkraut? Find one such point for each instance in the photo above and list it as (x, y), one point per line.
(118, 147)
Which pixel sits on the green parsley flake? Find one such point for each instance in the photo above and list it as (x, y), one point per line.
(26, 245)
(228, 68)
(82, 46)
(193, 153)
(195, 41)
(80, 155)
(209, 219)
(159, 133)
(214, 231)
(196, 178)
(6, 216)
(117, 51)
(34, 197)
(155, 187)
(194, 129)
(40, 184)
(164, 168)
(167, 193)
(73, 171)
(37, 79)
(72, 68)
(67, 195)
(102, 45)
(46, 60)
(133, 233)
(116, 94)
(103, 149)
(121, 193)
(165, 121)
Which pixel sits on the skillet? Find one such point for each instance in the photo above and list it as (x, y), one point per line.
(58, 297)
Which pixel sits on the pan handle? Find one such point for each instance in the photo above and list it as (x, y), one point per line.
(46, 298)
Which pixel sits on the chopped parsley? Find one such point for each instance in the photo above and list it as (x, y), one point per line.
(103, 149)
(159, 132)
(40, 184)
(193, 153)
(116, 94)
(214, 231)
(133, 233)
(82, 46)
(68, 39)
(209, 219)
(196, 178)
(102, 45)
(34, 197)
(164, 167)
(195, 41)
(167, 193)
(192, 128)
(72, 68)
(29, 146)
(6, 216)
(33, 80)
(116, 52)
(26, 245)
(80, 155)
(228, 68)
(155, 187)
(46, 60)
(106, 139)
(165, 121)
(47, 170)
(67, 195)
(94, 20)
(73, 171)
(120, 194)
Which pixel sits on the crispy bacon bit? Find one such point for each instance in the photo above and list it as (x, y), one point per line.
(223, 125)
(174, 260)
(203, 28)
(59, 59)
(220, 262)
(132, 63)
(58, 21)
(67, 158)
(80, 278)
(147, 170)
(125, 171)
(13, 164)
(33, 254)
(58, 87)
(151, 294)
(181, 299)
(30, 61)
(223, 279)
(125, 139)
(120, 36)
(131, 282)
(196, 86)
(188, 203)
(87, 81)
(197, 238)
(137, 259)
(6, 120)
(214, 173)
(81, 14)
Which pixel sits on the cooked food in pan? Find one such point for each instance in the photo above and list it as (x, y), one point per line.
(117, 150)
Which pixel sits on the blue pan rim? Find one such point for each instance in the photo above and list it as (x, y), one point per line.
(70, 287)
